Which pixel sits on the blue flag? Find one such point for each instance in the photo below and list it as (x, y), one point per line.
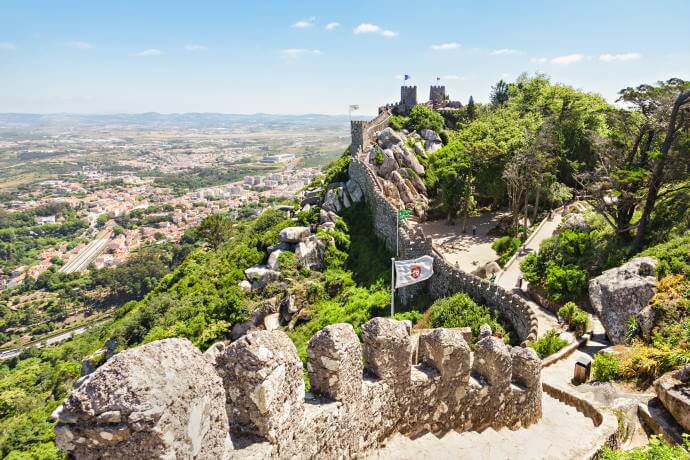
(406, 77)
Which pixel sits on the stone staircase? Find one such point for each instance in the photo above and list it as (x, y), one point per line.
(562, 433)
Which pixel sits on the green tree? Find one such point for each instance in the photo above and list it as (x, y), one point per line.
(452, 174)
(499, 93)
(215, 229)
(422, 117)
(471, 109)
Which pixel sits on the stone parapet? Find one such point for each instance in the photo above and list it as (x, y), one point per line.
(361, 395)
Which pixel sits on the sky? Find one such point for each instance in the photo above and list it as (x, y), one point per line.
(295, 57)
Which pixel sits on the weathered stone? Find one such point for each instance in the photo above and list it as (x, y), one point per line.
(293, 234)
(417, 182)
(432, 147)
(387, 165)
(272, 321)
(673, 389)
(327, 216)
(388, 137)
(335, 363)
(160, 400)
(310, 253)
(620, 293)
(245, 285)
(387, 349)
(526, 367)
(327, 226)
(262, 376)
(332, 201)
(240, 329)
(355, 191)
(430, 135)
(492, 361)
(419, 150)
(259, 276)
(407, 195)
(447, 351)
(273, 259)
(646, 319)
(392, 194)
(407, 159)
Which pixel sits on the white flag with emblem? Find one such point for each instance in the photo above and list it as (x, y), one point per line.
(413, 271)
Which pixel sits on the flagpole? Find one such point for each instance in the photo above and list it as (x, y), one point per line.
(392, 286)
(397, 234)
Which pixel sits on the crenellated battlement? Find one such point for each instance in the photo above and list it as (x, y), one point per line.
(361, 393)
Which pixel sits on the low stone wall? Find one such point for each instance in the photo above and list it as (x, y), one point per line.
(361, 394)
(448, 280)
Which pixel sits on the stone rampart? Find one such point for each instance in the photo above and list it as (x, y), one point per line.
(361, 393)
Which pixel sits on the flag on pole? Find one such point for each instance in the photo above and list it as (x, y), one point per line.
(354, 107)
(406, 77)
(413, 271)
(404, 214)
(438, 78)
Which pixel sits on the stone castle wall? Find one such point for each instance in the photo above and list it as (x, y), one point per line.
(412, 243)
(247, 399)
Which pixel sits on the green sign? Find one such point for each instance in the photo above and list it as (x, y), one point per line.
(404, 213)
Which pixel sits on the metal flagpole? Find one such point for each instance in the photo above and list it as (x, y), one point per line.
(392, 286)
(397, 233)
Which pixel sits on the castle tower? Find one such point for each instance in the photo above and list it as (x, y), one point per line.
(437, 95)
(408, 99)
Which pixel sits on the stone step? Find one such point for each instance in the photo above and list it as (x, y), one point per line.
(660, 421)
(562, 434)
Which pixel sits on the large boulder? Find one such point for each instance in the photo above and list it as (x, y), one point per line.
(160, 400)
(407, 194)
(293, 234)
(388, 138)
(354, 191)
(310, 252)
(407, 159)
(432, 141)
(410, 175)
(621, 293)
(274, 259)
(259, 276)
(392, 194)
(673, 389)
(384, 161)
(327, 216)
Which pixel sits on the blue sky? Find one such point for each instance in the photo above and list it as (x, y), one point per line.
(320, 56)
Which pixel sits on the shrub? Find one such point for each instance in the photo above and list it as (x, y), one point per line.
(530, 268)
(567, 282)
(673, 256)
(412, 315)
(397, 122)
(605, 367)
(461, 311)
(505, 247)
(657, 449)
(422, 117)
(378, 157)
(549, 344)
(444, 137)
(576, 318)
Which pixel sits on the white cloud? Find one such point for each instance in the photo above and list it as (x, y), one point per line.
(7, 46)
(294, 53)
(79, 45)
(445, 46)
(332, 25)
(505, 52)
(567, 59)
(539, 60)
(304, 23)
(193, 47)
(149, 52)
(620, 57)
(368, 28)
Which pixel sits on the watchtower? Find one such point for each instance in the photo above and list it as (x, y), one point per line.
(408, 99)
(437, 95)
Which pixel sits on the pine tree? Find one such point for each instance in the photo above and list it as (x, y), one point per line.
(471, 109)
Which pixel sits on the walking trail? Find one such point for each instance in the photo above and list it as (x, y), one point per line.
(508, 277)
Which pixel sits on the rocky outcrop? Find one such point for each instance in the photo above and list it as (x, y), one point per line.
(407, 159)
(673, 389)
(621, 293)
(310, 252)
(259, 276)
(293, 234)
(160, 400)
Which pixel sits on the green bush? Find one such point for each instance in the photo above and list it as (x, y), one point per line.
(576, 318)
(605, 367)
(461, 311)
(422, 117)
(673, 256)
(412, 315)
(505, 247)
(657, 449)
(549, 344)
(530, 268)
(569, 282)
(378, 157)
(397, 122)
